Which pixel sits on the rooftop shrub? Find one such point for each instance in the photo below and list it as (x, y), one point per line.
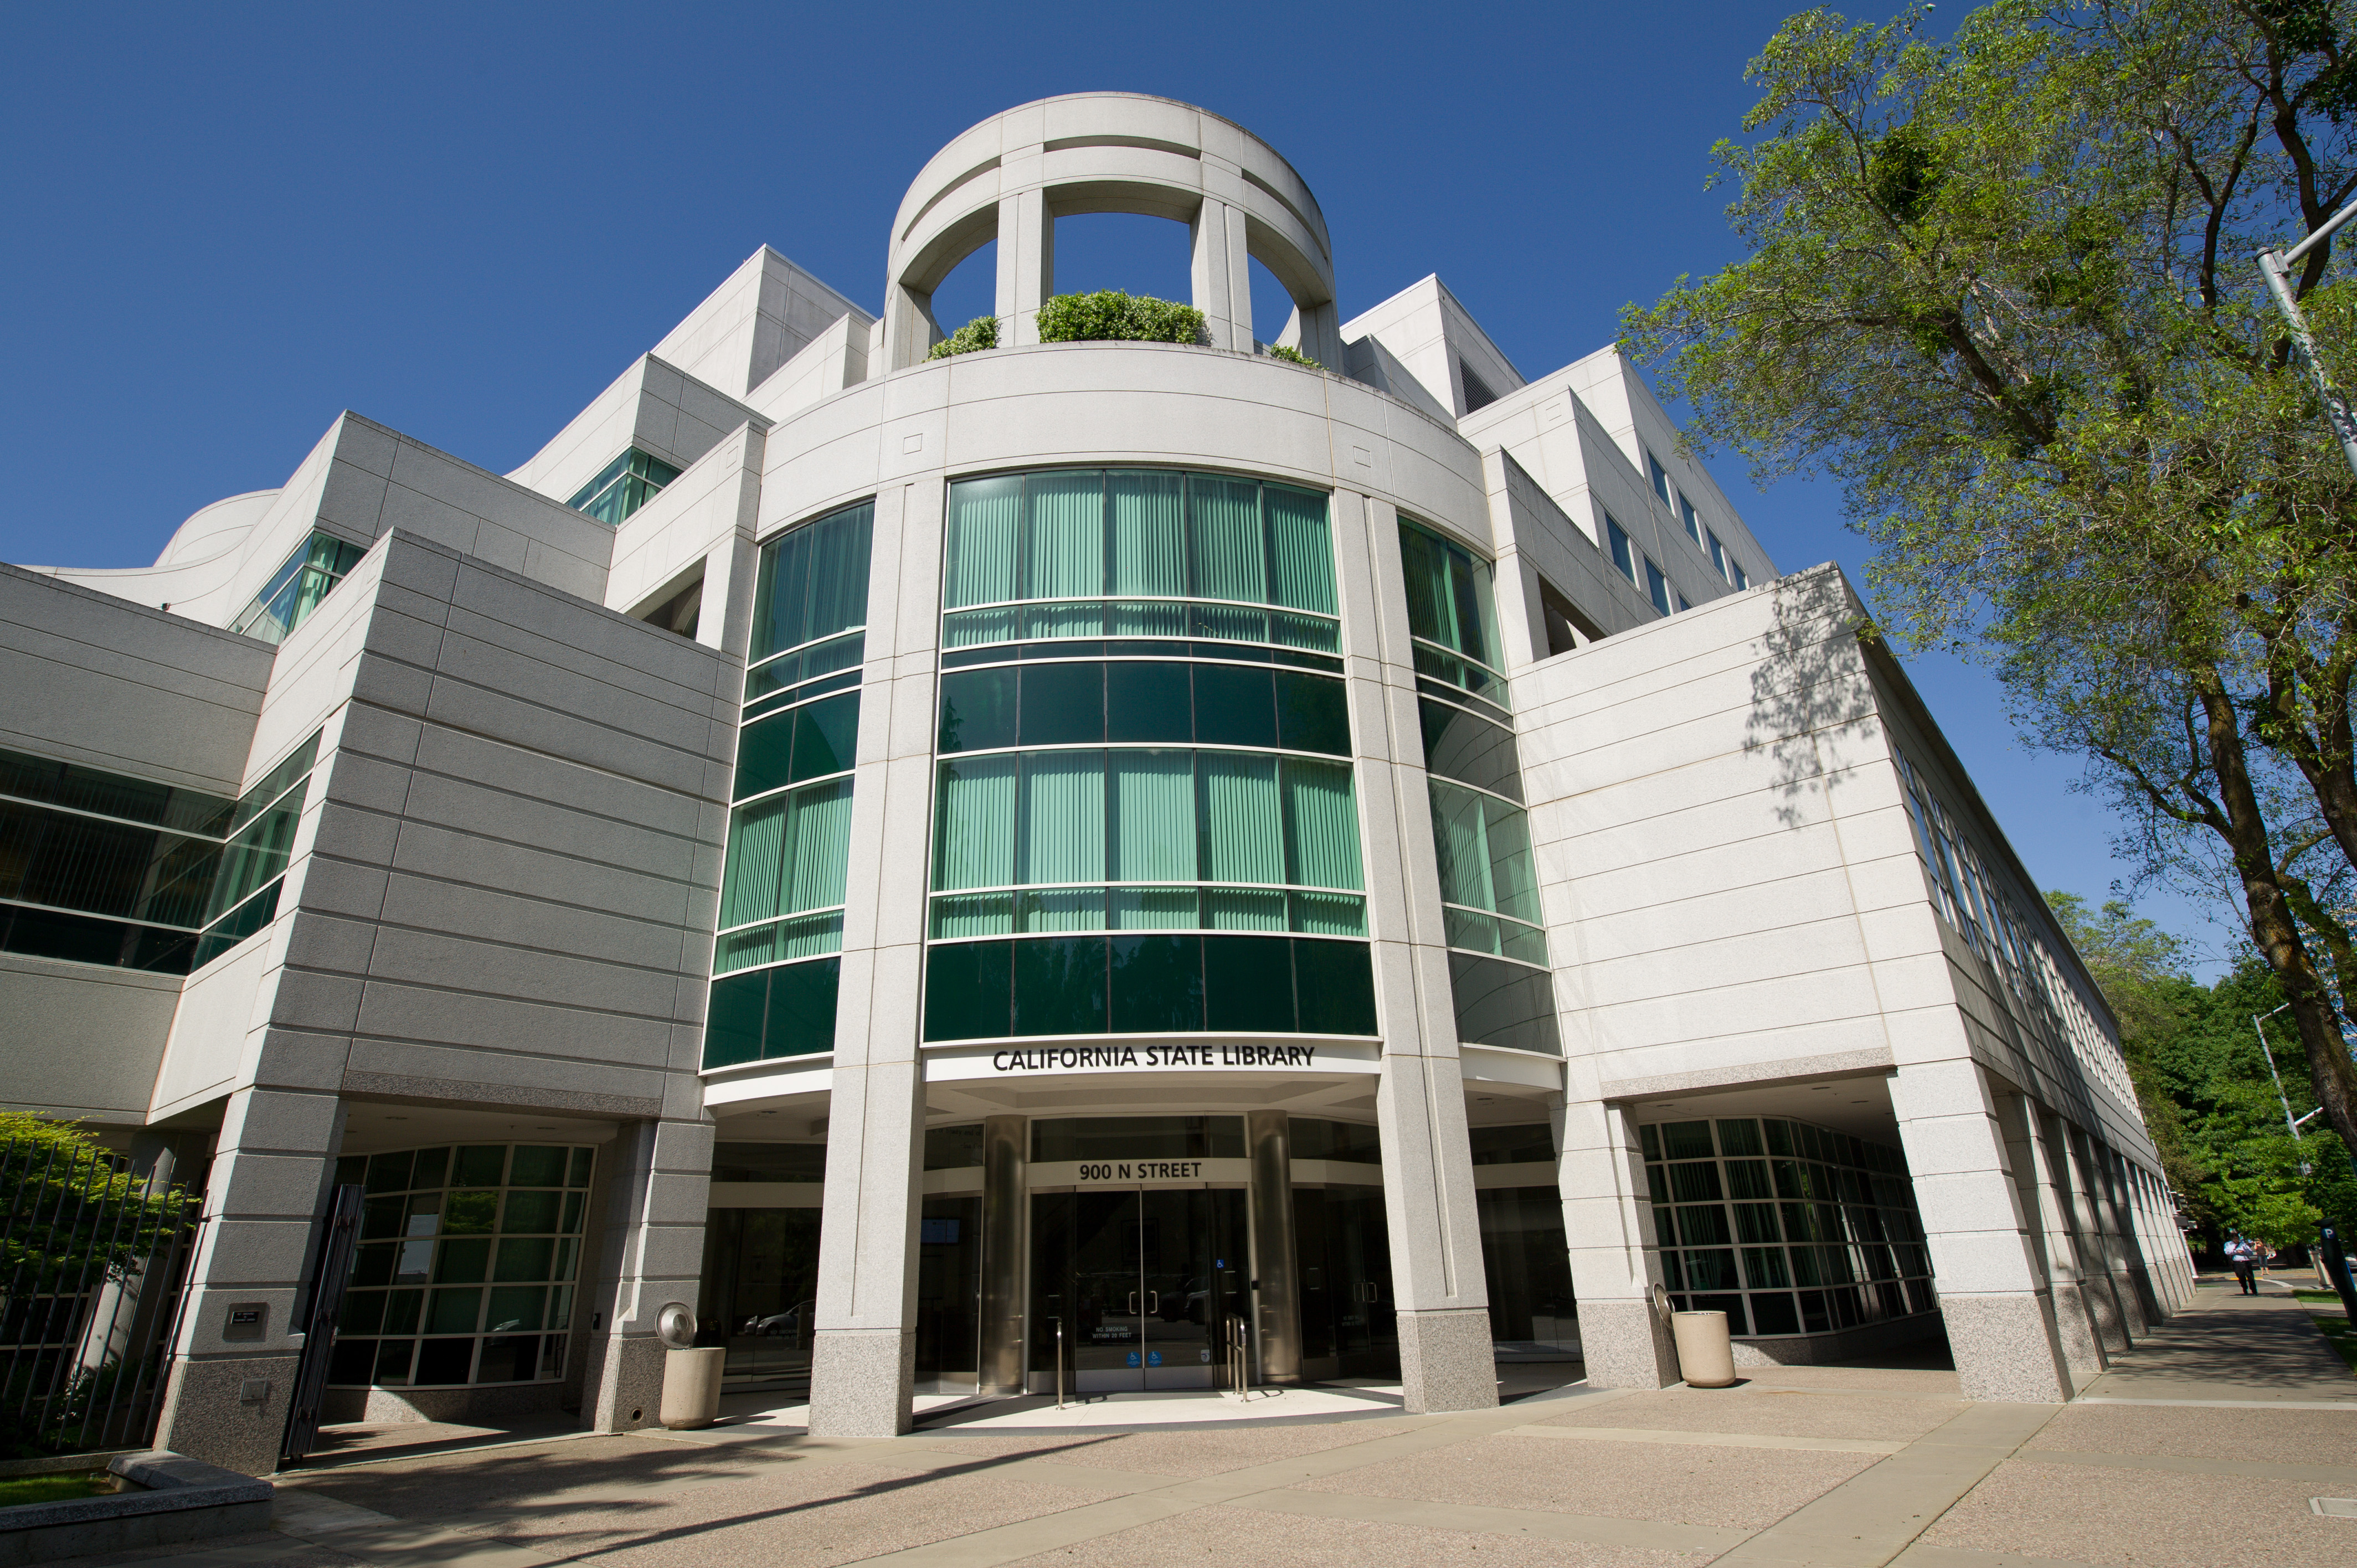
(1292, 356)
(981, 332)
(1110, 316)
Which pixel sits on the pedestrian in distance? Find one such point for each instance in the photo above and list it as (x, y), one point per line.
(2244, 1255)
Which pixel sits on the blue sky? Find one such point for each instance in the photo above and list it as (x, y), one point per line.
(465, 220)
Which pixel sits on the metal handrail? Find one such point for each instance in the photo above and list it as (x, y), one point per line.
(1239, 1357)
(1060, 1362)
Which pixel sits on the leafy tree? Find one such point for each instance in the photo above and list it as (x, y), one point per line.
(2140, 969)
(67, 1218)
(2001, 289)
(2204, 1085)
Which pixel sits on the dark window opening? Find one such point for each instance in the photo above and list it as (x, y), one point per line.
(1477, 390)
(681, 613)
(1566, 628)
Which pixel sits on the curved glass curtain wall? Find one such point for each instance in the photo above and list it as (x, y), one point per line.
(775, 965)
(1452, 616)
(1089, 553)
(1823, 1225)
(1144, 818)
(1488, 879)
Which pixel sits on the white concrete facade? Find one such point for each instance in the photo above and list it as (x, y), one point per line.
(496, 922)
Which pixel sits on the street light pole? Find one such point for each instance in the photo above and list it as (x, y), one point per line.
(2289, 1125)
(2275, 267)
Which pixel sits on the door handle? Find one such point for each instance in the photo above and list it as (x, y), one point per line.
(1133, 1305)
(1154, 1300)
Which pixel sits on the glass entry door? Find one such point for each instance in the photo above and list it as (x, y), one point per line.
(1142, 1282)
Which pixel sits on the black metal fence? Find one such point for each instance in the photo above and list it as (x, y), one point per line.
(91, 1286)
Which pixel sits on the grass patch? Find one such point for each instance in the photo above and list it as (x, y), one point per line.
(57, 1489)
(2338, 1335)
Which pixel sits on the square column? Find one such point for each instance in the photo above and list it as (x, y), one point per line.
(2128, 1251)
(2092, 1163)
(1221, 275)
(658, 1190)
(2099, 1291)
(1027, 265)
(862, 1357)
(2168, 1249)
(2030, 1155)
(1999, 1313)
(1607, 1225)
(227, 1400)
(1447, 1361)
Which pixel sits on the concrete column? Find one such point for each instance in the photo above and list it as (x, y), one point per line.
(1026, 264)
(1221, 275)
(2030, 1151)
(2168, 1241)
(123, 1312)
(1447, 1361)
(227, 1398)
(2144, 1308)
(1318, 332)
(1005, 1216)
(2095, 1182)
(1607, 1224)
(1277, 1294)
(1999, 1315)
(658, 1181)
(910, 330)
(2099, 1290)
(2149, 1240)
(863, 1361)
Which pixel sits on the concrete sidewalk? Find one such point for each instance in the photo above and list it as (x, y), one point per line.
(2231, 1346)
(2229, 1427)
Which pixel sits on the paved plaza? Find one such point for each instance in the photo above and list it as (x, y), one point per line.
(2215, 1434)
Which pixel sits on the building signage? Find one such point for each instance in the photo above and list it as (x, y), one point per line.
(1053, 1059)
(1142, 1170)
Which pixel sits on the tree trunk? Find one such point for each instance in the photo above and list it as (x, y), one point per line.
(2245, 828)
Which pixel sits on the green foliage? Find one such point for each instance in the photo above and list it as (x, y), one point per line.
(2204, 1086)
(1110, 316)
(1292, 356)
(2001, 289)
(73, 1212)
(981, 332)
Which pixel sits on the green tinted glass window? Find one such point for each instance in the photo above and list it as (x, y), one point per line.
(623, 486)
(1110, 551)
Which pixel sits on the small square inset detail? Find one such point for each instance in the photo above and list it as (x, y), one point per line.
(254, 1391)
(2334, 1508)
(913, 442)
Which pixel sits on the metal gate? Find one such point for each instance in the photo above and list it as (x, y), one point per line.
(330, 1271)
(90, 1295)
